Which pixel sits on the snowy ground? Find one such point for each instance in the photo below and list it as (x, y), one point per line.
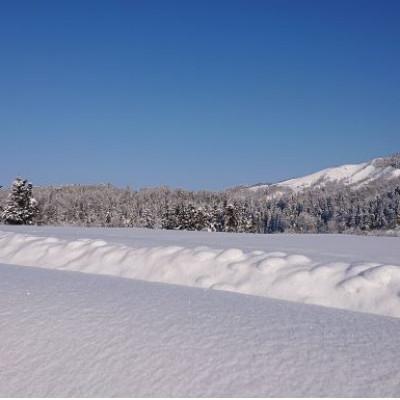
(72, 334)
(67, 333)
(350, 272)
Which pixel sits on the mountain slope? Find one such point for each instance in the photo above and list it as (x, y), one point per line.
(354, 175)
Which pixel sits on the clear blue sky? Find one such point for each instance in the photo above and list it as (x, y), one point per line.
(195, 94)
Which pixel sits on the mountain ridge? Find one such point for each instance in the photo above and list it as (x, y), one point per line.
(353, 175)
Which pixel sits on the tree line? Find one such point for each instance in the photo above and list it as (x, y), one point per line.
(332, 209)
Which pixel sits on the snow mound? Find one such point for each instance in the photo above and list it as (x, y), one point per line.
(368, 287)
(66, 334)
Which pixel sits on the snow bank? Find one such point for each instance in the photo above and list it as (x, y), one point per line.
(66, 334)
(369, 286)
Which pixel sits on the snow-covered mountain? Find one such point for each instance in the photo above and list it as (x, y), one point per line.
(355, 175)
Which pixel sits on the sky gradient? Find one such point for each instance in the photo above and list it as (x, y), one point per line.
(195, 94)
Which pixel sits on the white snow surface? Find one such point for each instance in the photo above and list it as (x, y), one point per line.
(67, 334)
(349, 175)
(349, 272)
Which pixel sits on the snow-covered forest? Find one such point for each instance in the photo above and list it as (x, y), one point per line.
(334, 208)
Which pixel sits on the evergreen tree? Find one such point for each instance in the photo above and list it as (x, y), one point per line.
(231, 217)
(21, 207)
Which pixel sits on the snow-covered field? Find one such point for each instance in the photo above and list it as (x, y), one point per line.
(64, 333)
(350, 272)
(71, 334)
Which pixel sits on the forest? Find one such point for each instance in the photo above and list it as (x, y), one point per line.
(334, 208)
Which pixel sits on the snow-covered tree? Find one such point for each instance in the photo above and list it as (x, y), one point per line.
(231, 217)
(335, 208)
(21, 207)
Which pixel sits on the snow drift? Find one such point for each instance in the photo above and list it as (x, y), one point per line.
(372, 287)
(66, 334)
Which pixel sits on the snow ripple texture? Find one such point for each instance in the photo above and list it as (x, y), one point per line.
(65, 334)
(365, 287)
